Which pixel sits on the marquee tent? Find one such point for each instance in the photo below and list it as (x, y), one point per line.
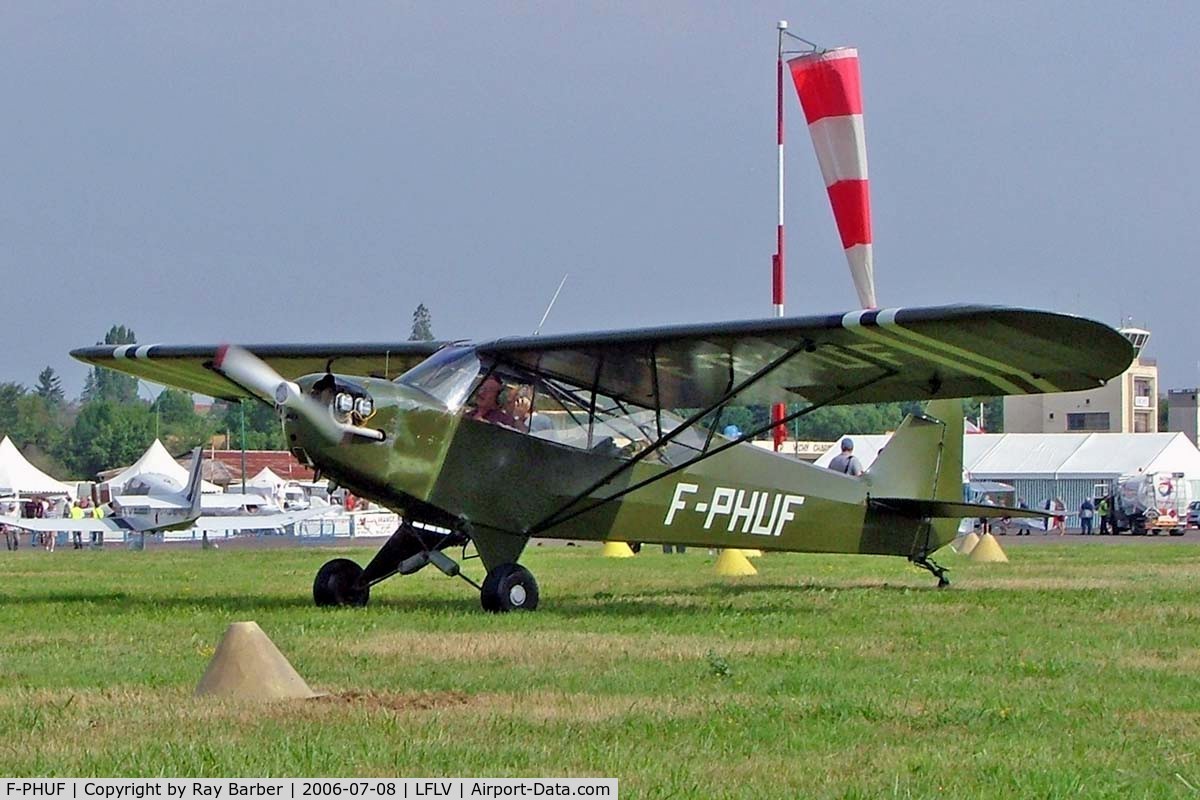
(266, 479)
(20, 478)
(158, 461)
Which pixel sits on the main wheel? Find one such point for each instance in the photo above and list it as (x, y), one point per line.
(336, 584)
(509, 587)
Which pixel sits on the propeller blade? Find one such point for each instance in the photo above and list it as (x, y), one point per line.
(257, 377)
(248, 371)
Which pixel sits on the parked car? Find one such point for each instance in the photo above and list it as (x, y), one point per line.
(1193, 514)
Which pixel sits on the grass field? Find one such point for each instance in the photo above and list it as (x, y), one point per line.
(1071, 671)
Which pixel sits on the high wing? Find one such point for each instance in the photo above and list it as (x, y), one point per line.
(190, 367)
(858, 357)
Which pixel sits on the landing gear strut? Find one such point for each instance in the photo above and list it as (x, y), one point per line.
(925, 562)
(341, 582)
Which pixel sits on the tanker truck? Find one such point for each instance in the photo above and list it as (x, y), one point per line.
(1152, 502)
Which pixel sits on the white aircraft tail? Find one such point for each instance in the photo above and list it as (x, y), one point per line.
(192, 492)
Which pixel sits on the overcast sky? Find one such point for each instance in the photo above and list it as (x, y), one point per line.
(259, 172)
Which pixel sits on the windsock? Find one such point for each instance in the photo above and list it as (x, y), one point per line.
(831, 95)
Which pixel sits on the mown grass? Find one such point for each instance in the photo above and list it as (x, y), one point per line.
(1071, 671)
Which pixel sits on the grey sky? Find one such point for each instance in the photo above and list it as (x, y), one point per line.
(296, 172)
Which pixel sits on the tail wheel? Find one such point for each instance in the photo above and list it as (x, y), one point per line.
(509, 587)
(337, 584)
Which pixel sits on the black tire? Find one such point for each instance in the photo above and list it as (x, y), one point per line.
(1178, 531)
(336, 584)
(509, 587)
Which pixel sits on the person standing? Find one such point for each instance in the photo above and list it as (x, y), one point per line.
(1060, 516)
(846, 462)
(1102, 508)
(76, 512)
(1087, 510)
(98, 514)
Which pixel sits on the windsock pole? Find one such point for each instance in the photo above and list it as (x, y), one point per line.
(779, 432)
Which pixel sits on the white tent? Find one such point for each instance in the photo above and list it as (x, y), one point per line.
(266, 479)
(19, 477)
(158, 461)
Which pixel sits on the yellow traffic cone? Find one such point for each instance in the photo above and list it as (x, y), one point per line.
(248, 666)
(616, 550)
(733, 563)
(967, 543)
(988, 551)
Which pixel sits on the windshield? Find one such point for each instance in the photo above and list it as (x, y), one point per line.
(446, 375)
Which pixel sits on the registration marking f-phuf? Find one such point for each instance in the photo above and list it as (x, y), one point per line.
(762, 513)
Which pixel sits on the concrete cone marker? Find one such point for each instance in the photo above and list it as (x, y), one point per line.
(968, 543)
(248, 666)
(988, 551)
(733, 563)
(616, 550)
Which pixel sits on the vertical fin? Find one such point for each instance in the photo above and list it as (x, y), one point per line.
(924, 461)
(195, 479)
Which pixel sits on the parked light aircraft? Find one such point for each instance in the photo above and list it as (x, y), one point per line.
(612, 435)
(153, 503)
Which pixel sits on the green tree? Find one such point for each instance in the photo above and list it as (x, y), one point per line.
(10, 393)
(173, 405)
(107, 384)
(180, 427)
(993, 412)
(422, 325)
(38, 422)
(107, 434)
(263, 429)
(49, 386)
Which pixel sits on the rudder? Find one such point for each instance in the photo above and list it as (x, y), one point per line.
(924, 461)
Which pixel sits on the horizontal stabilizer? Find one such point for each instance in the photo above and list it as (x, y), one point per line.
(944, 509)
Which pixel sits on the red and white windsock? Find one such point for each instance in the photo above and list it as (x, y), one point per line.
(831, 95)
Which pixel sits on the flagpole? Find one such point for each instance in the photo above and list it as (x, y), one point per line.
(779, 432)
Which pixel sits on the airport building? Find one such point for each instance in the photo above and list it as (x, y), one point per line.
(1183, 415)
(1127, 404)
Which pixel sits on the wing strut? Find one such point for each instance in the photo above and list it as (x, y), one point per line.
(561, 515)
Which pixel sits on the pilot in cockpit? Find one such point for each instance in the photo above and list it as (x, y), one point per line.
(518, 405)
(501, 403)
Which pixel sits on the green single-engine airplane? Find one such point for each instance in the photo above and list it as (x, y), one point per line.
(612, 436)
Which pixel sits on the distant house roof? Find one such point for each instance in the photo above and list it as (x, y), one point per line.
(280, 462)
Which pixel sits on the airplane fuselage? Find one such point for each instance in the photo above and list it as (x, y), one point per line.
(460, 472)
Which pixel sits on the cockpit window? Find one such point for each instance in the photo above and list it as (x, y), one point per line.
(446, 376)
(502, 400)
